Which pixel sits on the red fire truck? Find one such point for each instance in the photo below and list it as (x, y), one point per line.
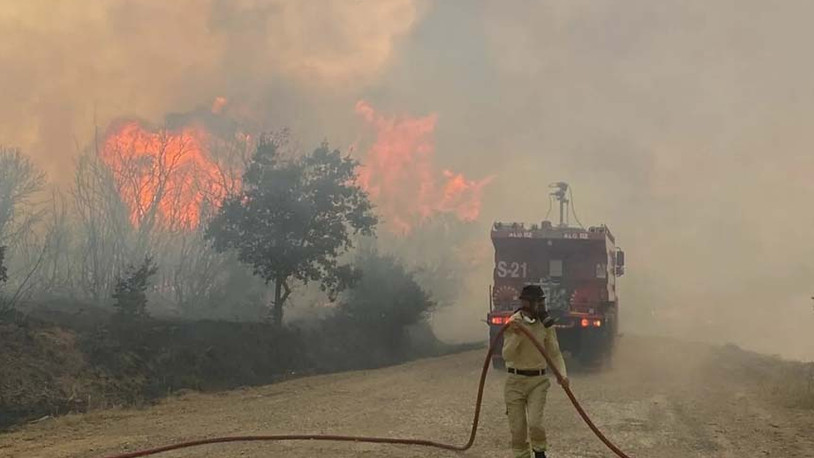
(576, 267)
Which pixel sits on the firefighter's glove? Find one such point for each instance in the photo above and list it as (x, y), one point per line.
(515, 322)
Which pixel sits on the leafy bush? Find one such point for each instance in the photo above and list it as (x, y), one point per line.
(380, 309)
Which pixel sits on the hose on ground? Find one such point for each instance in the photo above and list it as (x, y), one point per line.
(388, 440)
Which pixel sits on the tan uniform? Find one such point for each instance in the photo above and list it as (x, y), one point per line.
(526, 395)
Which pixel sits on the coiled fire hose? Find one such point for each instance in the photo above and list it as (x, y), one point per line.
(387, 440)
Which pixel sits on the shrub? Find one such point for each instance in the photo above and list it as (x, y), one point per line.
(379, 310)
(3, 271)
(131, 290)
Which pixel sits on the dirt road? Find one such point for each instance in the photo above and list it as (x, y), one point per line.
(660, 399)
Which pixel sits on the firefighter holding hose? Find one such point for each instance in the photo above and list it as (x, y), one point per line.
(527, 384)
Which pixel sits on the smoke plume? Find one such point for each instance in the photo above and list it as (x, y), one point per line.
(71, 66)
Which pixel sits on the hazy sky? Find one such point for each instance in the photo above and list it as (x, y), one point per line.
(683, 125)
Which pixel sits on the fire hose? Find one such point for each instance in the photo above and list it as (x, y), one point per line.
(387, 440)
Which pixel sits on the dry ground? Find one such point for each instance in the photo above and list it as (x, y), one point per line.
(660, 399)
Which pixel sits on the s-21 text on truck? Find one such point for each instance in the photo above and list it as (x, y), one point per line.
(576, 267)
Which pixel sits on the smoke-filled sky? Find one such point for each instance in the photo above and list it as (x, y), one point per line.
(683, 125)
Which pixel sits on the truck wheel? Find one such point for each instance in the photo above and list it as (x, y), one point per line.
(592, 351)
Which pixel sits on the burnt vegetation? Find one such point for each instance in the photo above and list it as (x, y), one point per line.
(103, 306)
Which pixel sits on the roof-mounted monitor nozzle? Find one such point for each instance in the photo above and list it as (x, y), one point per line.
(560, 192)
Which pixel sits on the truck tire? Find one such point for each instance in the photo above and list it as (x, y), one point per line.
(592, 350)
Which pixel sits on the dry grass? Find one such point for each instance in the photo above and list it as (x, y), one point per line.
(786, 383)
(793, 385)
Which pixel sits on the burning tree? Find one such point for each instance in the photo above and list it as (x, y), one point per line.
(294, 218)
(149, 189)
(165, 177)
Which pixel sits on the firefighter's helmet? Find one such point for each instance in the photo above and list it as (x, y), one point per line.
(532, 293)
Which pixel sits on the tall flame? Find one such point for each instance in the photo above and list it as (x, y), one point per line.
(168, 177)
(218, 104)
(399, 173)
(164, 177)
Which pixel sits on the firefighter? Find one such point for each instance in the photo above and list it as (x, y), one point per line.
(527, 383)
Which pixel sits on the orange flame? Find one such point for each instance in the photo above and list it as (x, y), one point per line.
(218, 104)
(399, 174)
(164, 177)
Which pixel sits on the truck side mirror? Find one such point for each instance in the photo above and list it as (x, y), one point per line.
(620, 263)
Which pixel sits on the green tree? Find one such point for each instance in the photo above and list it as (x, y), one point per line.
(130, 291)
(294, 218)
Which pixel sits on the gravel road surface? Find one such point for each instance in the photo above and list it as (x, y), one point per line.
(661, 398)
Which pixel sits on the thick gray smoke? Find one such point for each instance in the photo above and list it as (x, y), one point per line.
(68, 66)
(681, 125)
